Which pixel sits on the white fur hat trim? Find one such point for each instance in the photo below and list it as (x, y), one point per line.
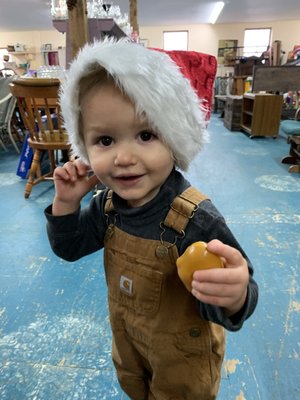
(155, 85)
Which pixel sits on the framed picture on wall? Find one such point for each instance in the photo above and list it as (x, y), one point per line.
(227, 51)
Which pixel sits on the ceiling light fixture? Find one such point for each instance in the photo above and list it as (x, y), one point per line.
(218, 7)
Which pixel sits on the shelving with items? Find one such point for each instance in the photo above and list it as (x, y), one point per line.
(20, 56)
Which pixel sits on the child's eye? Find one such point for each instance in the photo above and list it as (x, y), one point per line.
(146, 136)
(105, 140)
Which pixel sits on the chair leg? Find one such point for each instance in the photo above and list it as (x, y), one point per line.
(52, 160)
(32, 173)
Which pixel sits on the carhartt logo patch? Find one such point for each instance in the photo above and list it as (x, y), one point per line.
(126, 285)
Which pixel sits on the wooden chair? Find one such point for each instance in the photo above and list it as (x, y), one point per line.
(37, 101)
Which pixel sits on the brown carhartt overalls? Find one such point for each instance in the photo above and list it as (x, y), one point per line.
(162, 349)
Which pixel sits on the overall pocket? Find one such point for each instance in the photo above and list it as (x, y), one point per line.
(133, 284)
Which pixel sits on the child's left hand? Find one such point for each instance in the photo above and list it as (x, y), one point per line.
(223, 287)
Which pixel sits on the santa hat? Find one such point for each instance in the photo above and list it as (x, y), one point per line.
(155, 85)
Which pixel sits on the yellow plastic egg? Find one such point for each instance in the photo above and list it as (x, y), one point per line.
(196, 257)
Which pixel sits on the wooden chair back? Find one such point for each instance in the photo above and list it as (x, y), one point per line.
(38, 104)
(37, 100)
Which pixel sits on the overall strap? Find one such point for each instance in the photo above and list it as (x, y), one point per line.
(183, 208)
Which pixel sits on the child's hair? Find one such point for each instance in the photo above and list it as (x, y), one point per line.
(98, 77)
(151, 81)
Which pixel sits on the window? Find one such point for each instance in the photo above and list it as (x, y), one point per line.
(256, 41)
(176, 40)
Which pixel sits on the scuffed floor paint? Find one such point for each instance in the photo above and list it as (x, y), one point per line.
(230, 366)
(279, 183)
(241, 396)
(8, 179)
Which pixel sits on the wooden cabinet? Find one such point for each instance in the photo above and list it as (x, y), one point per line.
(261, 114)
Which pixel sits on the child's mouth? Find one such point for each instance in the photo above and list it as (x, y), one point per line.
(129, 179)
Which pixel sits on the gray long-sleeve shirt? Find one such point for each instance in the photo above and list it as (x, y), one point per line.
(81, 233)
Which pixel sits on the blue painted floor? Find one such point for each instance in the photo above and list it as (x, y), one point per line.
(54, 329)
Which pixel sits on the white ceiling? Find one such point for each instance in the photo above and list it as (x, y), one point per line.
(16, 15)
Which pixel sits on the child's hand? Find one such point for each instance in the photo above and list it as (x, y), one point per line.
(71, 184)
(223, 287)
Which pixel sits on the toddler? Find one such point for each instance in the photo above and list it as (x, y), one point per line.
(135, 122)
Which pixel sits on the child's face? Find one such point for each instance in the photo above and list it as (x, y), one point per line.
(123, 152)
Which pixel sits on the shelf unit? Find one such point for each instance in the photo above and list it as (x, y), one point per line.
(261, 114)
(22, 54)
(22, 57)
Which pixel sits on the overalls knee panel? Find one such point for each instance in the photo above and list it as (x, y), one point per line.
(162, 349)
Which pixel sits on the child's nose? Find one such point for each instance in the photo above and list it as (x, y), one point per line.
(125, 155)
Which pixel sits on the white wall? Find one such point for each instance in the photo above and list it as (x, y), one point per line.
(205, 37)
(202, 37)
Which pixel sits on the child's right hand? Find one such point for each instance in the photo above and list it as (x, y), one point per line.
(72, 183)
